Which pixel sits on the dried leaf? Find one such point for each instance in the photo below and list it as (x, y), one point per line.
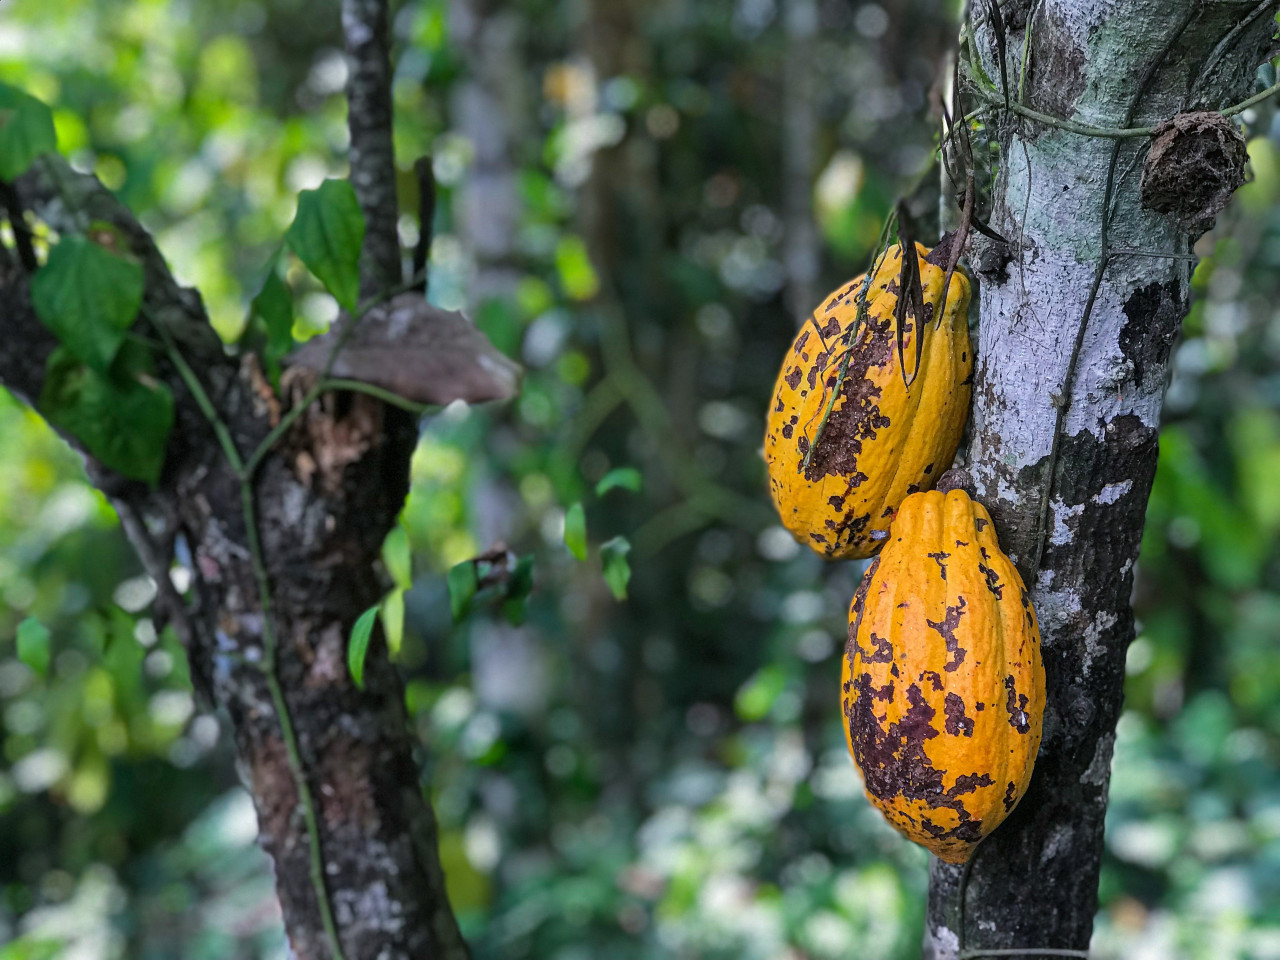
(418, 352)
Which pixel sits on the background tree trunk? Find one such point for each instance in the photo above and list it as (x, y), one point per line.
(487, 108)
(1064, 453)
(799, 144)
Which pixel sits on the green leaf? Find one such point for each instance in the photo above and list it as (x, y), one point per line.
(577, 276)
(327, 233)
(518, 589)
(89, 297)
(757, 696)
(462, 588)
(26, 131)
(274, 307)
(575, 531)
(397, 556)
(31, 948)
(33, 645)
(626, 478)
(617, 570)
(393, 620)
(123, 418)
(358, 648)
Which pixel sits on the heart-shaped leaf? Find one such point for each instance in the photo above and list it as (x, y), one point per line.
(89, 297)
(26, 131)
(123, 417)
(327, 234)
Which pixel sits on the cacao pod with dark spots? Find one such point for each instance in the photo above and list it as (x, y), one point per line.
(884, 439)
(943, 687)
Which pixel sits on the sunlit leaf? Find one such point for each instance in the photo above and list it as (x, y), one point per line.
(756, 697)
(573, 263)
(26, 131)
(617, 569)
(393, 620)
(327, 233)
(397, 556)
(575, 531)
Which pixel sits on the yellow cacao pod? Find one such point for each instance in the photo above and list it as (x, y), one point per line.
(883, 440)
(943, 688)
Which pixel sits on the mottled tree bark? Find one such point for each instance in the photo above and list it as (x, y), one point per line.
(324, 499)
(1064, 454)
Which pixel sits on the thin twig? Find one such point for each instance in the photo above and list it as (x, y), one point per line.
(424, 172)
(268, 667)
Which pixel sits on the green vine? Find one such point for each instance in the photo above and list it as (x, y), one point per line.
(992, 96)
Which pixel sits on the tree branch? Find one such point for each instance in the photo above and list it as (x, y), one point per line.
(372, 151)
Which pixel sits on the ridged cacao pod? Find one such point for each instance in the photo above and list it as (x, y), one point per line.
(883, 440)
(943, 688)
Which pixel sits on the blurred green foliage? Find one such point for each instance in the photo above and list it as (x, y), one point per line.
(663, 776)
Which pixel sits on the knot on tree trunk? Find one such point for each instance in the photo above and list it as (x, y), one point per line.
(1196, 163)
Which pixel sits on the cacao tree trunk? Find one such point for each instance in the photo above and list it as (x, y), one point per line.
(1064, 450)
(324, 760)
